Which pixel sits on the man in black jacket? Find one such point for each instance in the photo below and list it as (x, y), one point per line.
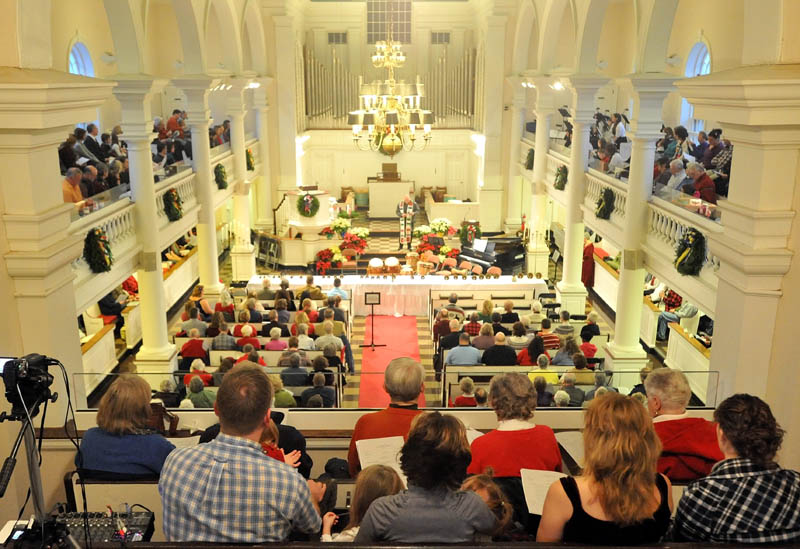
(451, 340)
(273, 323)
(499, 354)
(91, 142)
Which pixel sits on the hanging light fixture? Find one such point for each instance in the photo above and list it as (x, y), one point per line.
(390, 119)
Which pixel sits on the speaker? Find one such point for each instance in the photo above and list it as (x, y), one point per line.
(632, 259)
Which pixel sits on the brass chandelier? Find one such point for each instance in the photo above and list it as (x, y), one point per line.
(390, 117)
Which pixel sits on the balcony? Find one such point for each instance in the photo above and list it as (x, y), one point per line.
(612, 228)
(554, 161)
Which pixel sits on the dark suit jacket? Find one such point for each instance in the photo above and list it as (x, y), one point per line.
(499, 328)
(338, 314)
(509, 318)
(499, 355)
(255, 316)
(265, 328)
(93, 147)
(449, 341)
(327, 394)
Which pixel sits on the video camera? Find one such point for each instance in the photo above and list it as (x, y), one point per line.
(27, 383)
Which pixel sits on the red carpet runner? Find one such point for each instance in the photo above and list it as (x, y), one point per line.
(400, 337)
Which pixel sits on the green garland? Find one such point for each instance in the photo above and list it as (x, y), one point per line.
(251, 163)
(562, 174)
(690, 255)
(220, 176)
(97, 251)
(464, 234)
(308, 205)
(173, 205)
(529, 160)
(605, 204)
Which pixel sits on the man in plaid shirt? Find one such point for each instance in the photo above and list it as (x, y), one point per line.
(746, 498)
(228, 490)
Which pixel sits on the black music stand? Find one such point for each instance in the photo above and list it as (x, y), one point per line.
(372, 299)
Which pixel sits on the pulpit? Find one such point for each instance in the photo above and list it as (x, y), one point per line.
(310, 225)
(386, 190)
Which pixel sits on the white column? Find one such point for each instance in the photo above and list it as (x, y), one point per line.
(572, 293)
(134, 95)
(287, 96)
(648, 92)
(264, 219)
(514, 204)
(755, 318)
(538, 250)
(243, 261)
(196, 90)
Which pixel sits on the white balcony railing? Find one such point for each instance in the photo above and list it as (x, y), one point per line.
(596, 183)
(184, 184)
(554, 161)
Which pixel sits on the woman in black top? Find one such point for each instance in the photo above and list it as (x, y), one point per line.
(620, 499)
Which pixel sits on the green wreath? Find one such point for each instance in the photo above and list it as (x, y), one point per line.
(690, 254)
(562, 174)
(464, 234)
(220, 176)
(308, 205)
(529, 160)
(251, 163)
(173, 205)
(605, 204)
(97, 251)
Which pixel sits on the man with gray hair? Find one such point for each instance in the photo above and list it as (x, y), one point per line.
(599, 381)
(294, 375)
(71, 188)
(403, 380)
(679, 177)
(561, 399)
(689, 444)
(576, 396)
(451, 340)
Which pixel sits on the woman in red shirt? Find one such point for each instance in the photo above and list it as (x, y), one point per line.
(703, 185)
(302, 318)
(517, 443)
(313, 316)
(528, 356)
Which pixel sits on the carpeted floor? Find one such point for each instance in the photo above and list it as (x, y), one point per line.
(400, 337)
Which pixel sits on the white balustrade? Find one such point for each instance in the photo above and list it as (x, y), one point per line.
(282, 216)
(668, 223)
(596, 183)
(117, 221)
(184, 184)
(555, 161)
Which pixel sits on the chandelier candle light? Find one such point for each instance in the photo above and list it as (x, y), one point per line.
(390, 110)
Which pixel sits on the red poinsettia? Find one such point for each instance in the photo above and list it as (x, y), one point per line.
(354, 242)
(325, 261)
(454, 253)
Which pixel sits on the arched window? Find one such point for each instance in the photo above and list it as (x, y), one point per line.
(698, 63)
(80, 62)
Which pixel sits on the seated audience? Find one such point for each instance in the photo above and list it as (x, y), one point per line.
(600, 382)
(403, 381)
(564, 328)
(702, 186)
(497, 325)
(194, 323)
(485, 339)
(530, 354)
(473, 327)
(714, 148)
(225, 366)
(551, 340)
(310, 310)
(747, 498)
(327, 394)
(373, 482)
(223, 341)
(293, 349)
(689, 444)
(588, 348)
(303, 341)
(315, 401)
(265, 294)
(481, 397)
(282, 308)
(499, 354)
(583, 375)
(338, 314)
(337, 289)
(464, 353)
(661, 173)
(274, 323)
(467, 396)
(452, 338)
(684, 149)
(327, 338)
(619, 498)
(686, 310)
(244, 318)
(702, 145)
(275, 343)
(533, 320)
(283, 397)
(287, 294)
(576, 396)
(229, 510)
(320, 365)
(121, 442)
(495, 499)
(310, 291)
(678, 177)
(452, 309)
(542, 370)
(213, 327)
(167, 394)
(441, 325)
(195, 347)
(301, 317)
(251, 306)
(67, 158)
(487, 309)
(508, 316)
(591, 328)
(544, 398)
(561, 399)
(71, 188)
(334, 361)
(199, 395)
(519, 337)
(432, 510)
(293, 375)
(517, 443)
(566, 351)
(250, 355)
(639, 387)
(198, 369)
(201, 302)
(248, 339)
(615, 160)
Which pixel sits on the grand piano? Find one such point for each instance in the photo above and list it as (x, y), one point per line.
(508, 253)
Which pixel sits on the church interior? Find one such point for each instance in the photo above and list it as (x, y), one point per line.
(322, 187)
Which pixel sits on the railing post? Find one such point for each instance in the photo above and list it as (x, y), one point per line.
(572, 293)
(156, 355)
(538, 250)
(649, 92)
(196, 90)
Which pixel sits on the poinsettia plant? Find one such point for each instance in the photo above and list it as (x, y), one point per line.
(443, 227)
(443, 251)
(329, 258)
(327, 232)
(354, 242)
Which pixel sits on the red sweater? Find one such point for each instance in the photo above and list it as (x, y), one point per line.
(244, 357)
(249, 340)
(237, 330)
(524, 360)
(462, 400)
(690, 448)
(391, 422)
(588, 349)
(509, 451)
(207, 378)
(194, 349)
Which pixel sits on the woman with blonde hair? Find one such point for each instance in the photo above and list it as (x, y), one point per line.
(486, 311)
(121, 442)
(300, 317)
(309, 309)
(200, 302)
(244, 319)
(619, 499)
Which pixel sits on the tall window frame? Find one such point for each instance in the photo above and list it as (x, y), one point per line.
(380, 13)
(80, 62)
(698, 63)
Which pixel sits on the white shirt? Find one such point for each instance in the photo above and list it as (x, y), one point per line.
(616, 162)
(676, 180)
(515, 424)
(670, 417)
(620, 131)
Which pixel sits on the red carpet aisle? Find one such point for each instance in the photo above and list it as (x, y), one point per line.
(400, 337)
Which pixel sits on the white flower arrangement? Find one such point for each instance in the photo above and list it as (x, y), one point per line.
(440, 225)
(421, 230)
(341, 224)
(360, 232)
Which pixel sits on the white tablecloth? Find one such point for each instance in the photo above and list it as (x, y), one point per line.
(403, 295)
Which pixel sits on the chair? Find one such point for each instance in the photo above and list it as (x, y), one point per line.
(577, 317)
(595, 363)
(554, 317)
(349, 262)
(494, 271)
(546, 296)
(551, 309)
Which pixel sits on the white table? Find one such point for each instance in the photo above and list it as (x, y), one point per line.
(384, 196)
(404, 295)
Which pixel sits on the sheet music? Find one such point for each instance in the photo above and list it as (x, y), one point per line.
(381, 451)
(472, 434)
(535, 485)
(572, 442)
